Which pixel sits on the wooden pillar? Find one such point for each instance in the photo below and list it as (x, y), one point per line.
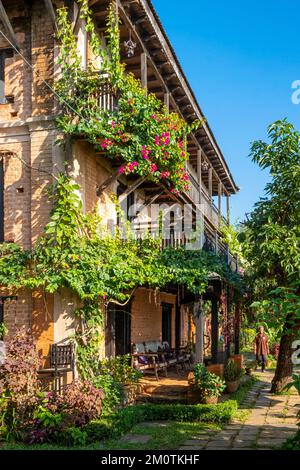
(144, 73)
(220, 188)
(167, 101)
(214, 331)
(199, 322)
(228, 208)
(199, 168)
(210, 189)
(237, 327)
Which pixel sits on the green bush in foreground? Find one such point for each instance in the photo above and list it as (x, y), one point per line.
(121, 422)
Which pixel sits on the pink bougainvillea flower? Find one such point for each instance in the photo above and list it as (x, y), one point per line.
(157, 141)
(113, 124)
(165, 174)
(106, 143)
(121, 170)
(153, 168)
(146, 152)
(175, 191)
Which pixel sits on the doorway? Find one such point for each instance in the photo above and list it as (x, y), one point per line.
(118, 331)
(167, 323)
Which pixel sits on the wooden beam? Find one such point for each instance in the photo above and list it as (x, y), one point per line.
(144, 70)
(130, 189)
(51, 11)
(6, 22)
(106, 183)
(167, 101)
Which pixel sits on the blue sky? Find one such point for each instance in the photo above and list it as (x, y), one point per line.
(240, 58)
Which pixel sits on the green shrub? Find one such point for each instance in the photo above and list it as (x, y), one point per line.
(120, 369)
(121, 422)
(293, 443)
(113, 392)
(73, 437)
(209, 384)
(232, 371)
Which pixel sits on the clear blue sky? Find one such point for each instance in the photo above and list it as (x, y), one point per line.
(240, 58)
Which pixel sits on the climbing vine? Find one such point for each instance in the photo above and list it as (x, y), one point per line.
(139, 132)
(100, 268)
(73, 252)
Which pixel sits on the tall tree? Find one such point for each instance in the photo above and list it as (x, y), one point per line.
(272, 240)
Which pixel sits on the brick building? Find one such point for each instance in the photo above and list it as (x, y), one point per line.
(29, 156)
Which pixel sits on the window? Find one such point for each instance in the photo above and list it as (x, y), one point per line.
(4, 54)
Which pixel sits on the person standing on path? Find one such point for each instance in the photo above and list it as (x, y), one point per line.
(261, 348)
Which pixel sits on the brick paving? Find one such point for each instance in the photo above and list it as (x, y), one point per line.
(271, 421)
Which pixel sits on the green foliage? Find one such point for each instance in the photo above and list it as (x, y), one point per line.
(3, 330)
(117, 424)
(209, 384)
(141, 134)
(73, 437)
(19, 386)
(120, 369)
(294, 383)
(230, 236)
(293, 443)
(272, 233)
(74, 253)
(232, 371)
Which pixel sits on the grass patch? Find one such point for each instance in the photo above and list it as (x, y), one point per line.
(170, 435)
(163, 436)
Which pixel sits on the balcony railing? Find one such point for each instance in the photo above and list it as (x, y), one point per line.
(209, 210)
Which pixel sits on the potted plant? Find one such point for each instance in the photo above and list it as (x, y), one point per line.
(232, 374)
(209, 385)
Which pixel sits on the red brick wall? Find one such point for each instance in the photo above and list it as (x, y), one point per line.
(146, 311)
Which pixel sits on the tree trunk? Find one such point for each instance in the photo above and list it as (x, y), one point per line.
(284, 366)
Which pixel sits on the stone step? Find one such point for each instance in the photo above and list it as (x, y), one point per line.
(161, 399)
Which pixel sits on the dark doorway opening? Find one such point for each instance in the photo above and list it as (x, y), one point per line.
(167, 323)
(118, 331)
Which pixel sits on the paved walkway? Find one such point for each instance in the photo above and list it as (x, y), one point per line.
(270, 422)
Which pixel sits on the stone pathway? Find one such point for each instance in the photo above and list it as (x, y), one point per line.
(271, 421)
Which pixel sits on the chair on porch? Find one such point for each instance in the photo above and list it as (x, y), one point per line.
(62, 361)
(145, 361)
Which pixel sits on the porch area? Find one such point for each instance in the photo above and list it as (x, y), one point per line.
(171, 389)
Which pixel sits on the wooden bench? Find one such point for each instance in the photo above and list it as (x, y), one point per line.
(153, 356)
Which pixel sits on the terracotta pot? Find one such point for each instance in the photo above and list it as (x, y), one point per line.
(209, 400)
(238, 359)
(232, 386)
(217, 369)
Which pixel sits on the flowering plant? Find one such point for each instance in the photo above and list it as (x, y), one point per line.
(139, 132)
(209, 384)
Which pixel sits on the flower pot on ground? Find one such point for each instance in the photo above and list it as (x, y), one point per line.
(208, 385)
(238, 359)
(209, 400)
(232, 374)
